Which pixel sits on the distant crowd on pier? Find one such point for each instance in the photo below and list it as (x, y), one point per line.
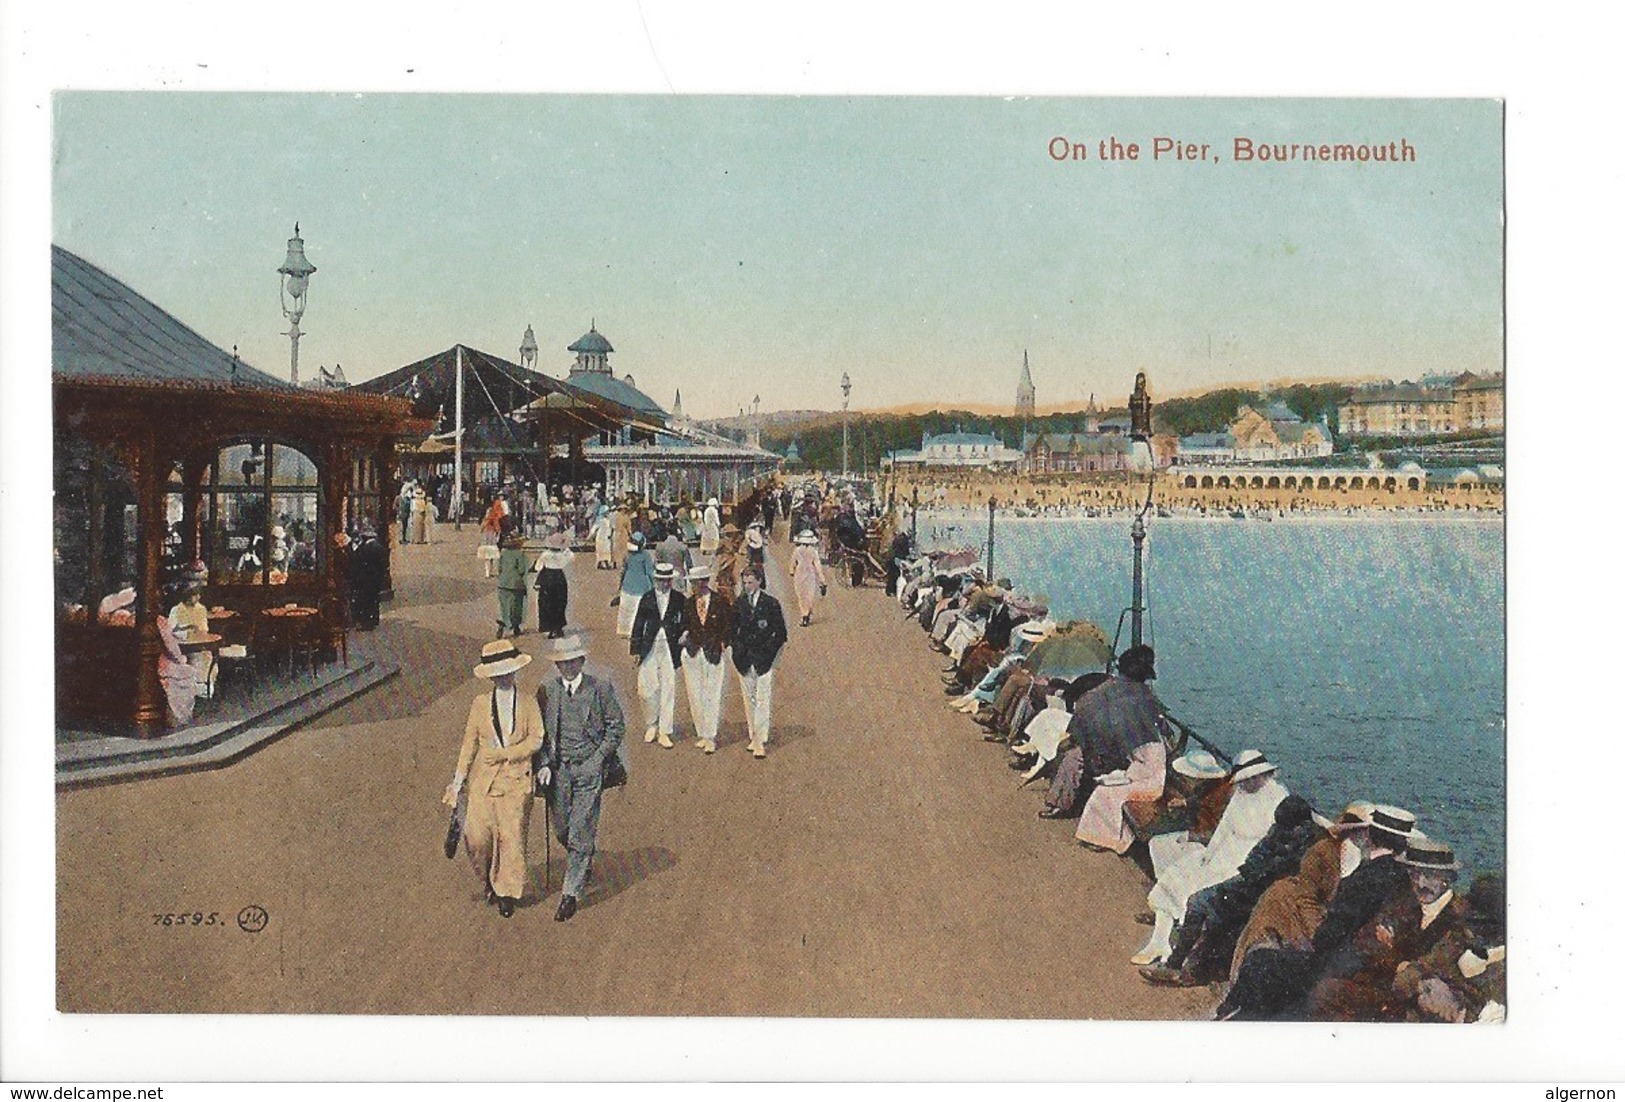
(1290, 915)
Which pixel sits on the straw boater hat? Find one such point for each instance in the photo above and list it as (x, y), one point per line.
(1033, 633)
(806, 538)
(568, 647)
(499, 658)
(1354, 817)
(700, 574)
(1250, 764)
(1398, 823)
(1429, 855)
(665, 570)
(1199, 765)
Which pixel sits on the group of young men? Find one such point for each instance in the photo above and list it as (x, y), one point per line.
(674, 631)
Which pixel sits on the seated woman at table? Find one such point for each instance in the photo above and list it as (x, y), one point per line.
(176, 675)
(189, 620)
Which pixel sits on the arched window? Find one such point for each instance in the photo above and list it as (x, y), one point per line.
(262, 499)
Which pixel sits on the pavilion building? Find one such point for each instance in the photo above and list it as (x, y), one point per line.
(169, 452)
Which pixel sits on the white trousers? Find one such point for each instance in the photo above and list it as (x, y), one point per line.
(627, 612)
(704, 681)
(657, 687)
(757, 689)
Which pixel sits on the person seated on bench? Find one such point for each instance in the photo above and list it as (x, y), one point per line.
(1184, 867)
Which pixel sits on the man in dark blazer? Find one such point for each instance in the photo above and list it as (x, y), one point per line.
(758, 636)
(582, 726)
(1275, 983)
(656, 629)
(707, 628)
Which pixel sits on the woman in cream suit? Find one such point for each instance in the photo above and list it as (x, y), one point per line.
(504, 729)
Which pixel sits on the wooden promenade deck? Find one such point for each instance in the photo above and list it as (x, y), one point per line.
(879, 862)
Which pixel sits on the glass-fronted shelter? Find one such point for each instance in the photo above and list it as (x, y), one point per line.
(170, 452)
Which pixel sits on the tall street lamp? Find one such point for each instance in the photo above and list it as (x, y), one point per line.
(295, 285)
(1142, 458)
(846, 399)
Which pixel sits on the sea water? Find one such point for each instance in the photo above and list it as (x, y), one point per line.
(1365, 655)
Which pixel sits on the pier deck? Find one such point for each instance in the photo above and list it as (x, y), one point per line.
(879, 862)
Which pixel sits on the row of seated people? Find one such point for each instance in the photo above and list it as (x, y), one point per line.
(1290, 916)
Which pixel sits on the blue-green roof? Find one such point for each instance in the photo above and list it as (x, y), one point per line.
(616, 390)
(591, 341)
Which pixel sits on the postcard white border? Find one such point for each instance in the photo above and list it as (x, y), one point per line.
(1564, 183)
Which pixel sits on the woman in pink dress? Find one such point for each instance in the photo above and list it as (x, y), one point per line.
(808, 573)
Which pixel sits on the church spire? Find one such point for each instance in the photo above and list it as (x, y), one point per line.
(1026, 393)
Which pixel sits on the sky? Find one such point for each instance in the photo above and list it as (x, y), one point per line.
(749, 245)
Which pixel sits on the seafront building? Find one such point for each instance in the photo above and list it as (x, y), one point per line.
(1273, 435)
(1433, 406)
(958, 449)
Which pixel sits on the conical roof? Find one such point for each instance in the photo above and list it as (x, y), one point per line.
(591, 341)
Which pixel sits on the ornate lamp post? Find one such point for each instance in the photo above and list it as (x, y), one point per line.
(846, 398)
(1139, 411)
(295, 285)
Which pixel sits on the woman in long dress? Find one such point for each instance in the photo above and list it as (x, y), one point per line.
(552, 587)
(603, 539)
(637, 578)
(189, 620)
(710, 528)
(176, 675)
(491, 534)
(808, 574)
(1102, 825)
(623, 533)
(420, 516)
(504, 729)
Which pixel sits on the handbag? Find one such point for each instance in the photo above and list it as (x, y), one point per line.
(454, 834)
(614, 772)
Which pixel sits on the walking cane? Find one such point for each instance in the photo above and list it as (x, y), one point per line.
(547, 840)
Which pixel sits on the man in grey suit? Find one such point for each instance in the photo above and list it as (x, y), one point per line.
(583, 726)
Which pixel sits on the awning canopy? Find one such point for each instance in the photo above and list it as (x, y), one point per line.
(494, 387)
